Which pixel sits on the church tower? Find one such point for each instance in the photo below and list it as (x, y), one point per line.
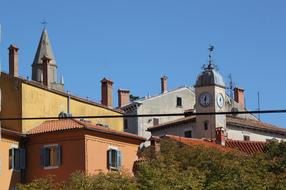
(210, 97)
(45, 49)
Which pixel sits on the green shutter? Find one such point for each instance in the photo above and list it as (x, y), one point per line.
(118, 158)
(22, 159)
(59, 155)
(109, 158)
(42, 157)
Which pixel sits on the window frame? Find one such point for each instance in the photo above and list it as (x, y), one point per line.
(118, 163)
(179, 102)
(190, 132)
(58, 155)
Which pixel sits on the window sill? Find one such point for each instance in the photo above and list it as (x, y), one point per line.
(50, 167)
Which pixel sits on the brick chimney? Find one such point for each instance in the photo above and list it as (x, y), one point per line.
(106, 92)
(46, 63)
(220, 139)
(239, 96)
(123, 97)
(13, 60)
(164, 84)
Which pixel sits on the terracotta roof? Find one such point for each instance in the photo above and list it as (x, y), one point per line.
(170, 123)
(11, 133)
(249, 147)
(198, 142)
(247, 123)
(254, 124)
(70, 124)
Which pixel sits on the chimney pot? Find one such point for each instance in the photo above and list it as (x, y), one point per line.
(220, 138)
(13, 60)
(239, 96)
(164, 84)
(106, 92)
(123, 97)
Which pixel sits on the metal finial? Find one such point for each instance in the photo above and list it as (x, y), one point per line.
(44, 23)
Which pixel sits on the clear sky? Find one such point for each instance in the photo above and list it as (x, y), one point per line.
(135, 42)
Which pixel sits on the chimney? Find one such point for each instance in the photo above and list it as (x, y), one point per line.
(106, 92)
(13, 60)
(220, 139)
(46, 62)
(164, 84)
(123, 97)
(239, 96)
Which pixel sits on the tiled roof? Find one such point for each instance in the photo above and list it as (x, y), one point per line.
(198, 142)
(170, 123)
(254, 124)
(70, 124)
(247, 123)
(249, 147)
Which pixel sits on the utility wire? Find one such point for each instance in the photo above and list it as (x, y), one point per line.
(186, 114)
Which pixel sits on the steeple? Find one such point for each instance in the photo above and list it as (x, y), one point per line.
(44, 49)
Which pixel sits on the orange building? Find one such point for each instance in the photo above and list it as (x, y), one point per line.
(61, 147)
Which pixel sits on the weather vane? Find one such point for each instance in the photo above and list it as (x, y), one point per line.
(44, 23)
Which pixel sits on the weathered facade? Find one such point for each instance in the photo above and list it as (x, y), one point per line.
(173, 101)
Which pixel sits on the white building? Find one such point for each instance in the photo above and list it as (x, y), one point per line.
(172, 101)
(210, 96)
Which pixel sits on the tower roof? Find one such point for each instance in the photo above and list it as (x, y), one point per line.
(44, 49)
(210, 77)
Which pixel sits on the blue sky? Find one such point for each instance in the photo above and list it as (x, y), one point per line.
(136, 42)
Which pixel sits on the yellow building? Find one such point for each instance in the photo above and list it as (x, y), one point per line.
(44, 95)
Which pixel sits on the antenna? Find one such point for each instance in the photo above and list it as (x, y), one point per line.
(258, 104)
(231, 84)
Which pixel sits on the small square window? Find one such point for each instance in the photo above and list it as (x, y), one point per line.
(246, 138)
(188, 134)
(155, 121)
(114, 159)
(179, 102)
(51, 156)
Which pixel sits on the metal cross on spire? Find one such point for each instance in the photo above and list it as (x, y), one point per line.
(44, 23)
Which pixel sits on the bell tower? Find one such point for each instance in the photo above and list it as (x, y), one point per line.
(210, 97)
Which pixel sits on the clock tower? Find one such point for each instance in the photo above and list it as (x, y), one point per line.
(210, 97)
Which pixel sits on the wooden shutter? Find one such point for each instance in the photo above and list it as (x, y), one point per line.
(13, 158)
(42, 157)
(22, 159)
(109, 158)
(118, 158)
(59, 155)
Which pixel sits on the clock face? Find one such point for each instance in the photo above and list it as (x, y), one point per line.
(220, 100)
(205, 99)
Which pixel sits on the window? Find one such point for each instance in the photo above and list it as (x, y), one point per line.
(155, 121)
(114, 159)
(179, 102)
(125, 124)
(51, 156)
(206, 127)
(246, 138)
(188, 134)
(17, 158)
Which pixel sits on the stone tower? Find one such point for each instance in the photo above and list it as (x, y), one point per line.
(45, 49)
(210, 97)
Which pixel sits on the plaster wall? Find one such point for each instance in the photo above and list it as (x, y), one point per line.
(8, 177)
(163, 104)
(236, 133)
